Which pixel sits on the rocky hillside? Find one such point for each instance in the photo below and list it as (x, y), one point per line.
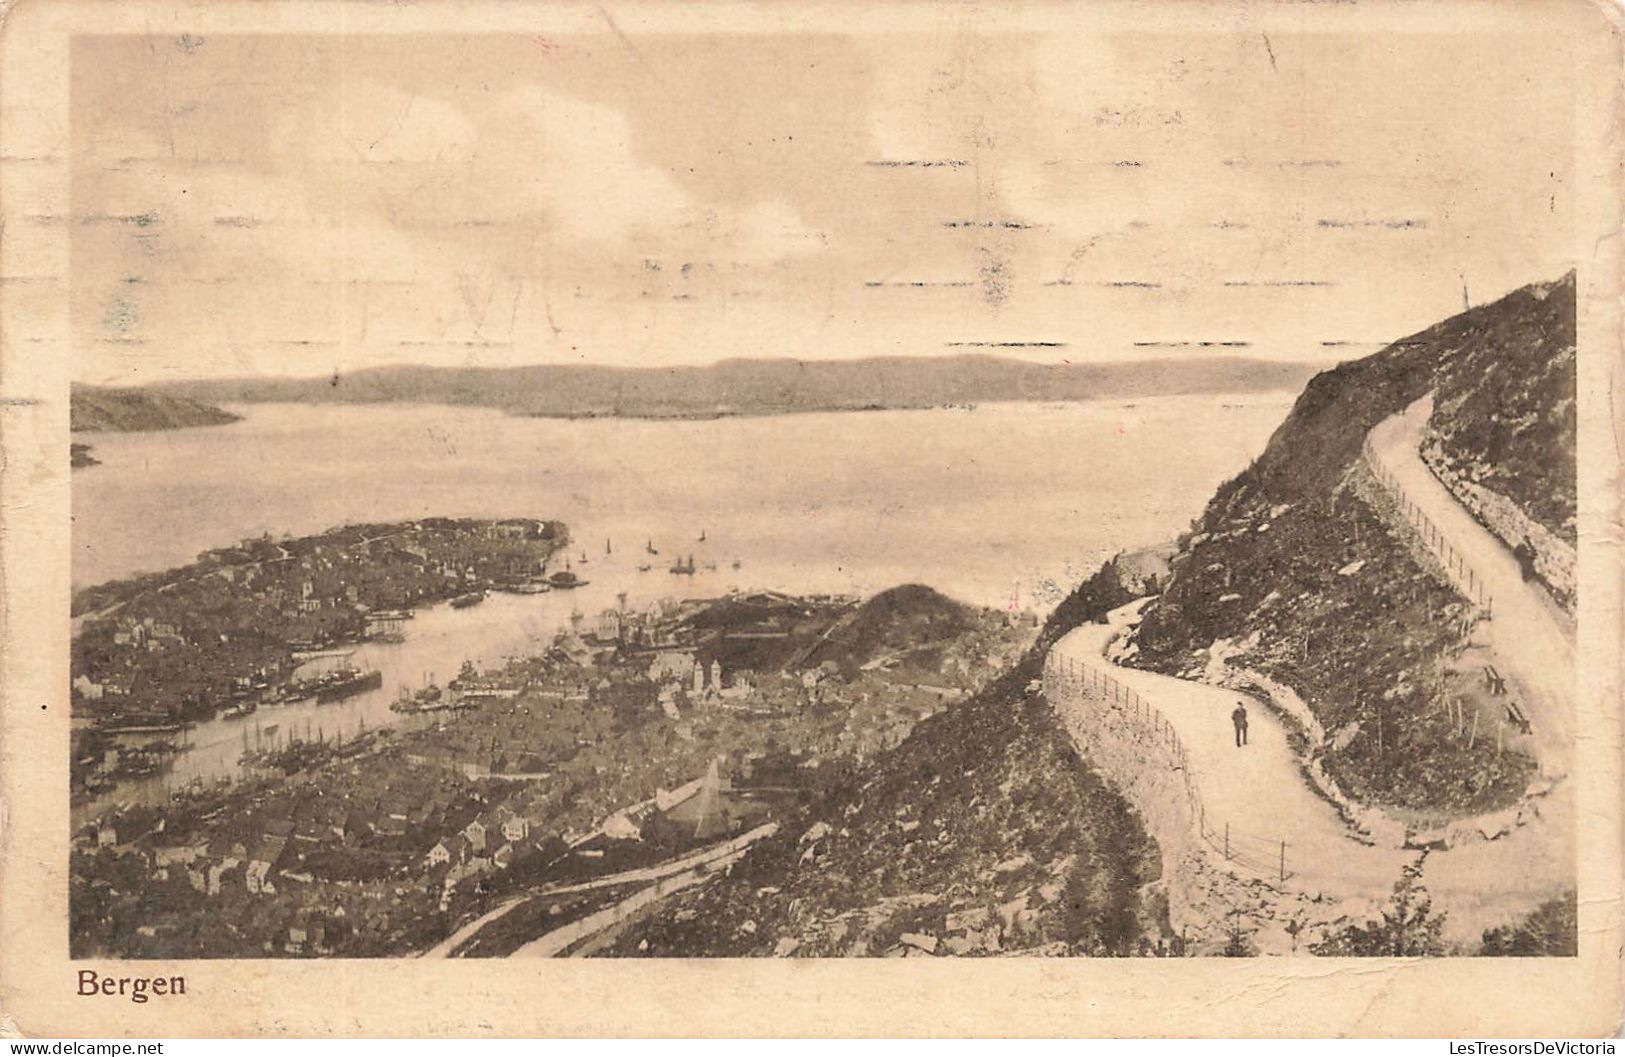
(93, 408)
(1293, 572)
(982, 833)
(1503, 432)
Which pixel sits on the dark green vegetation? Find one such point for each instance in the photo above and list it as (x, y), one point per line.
(1408, 928)
(1551, 931)
(905, 625)
(1368, 646)
(93, 408)
(758, 387)
(1506, 412)
(982, 832)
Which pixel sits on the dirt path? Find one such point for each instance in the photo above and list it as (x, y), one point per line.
(445, 947)
(704, 857)
(554, 943)
(1258, 790)
(1487, 883)
(1526, 631)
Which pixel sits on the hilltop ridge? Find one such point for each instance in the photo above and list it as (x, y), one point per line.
(1295, 573)
(758, 386)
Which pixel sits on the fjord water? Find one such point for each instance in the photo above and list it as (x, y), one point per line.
(986, 505)
(1005, 505)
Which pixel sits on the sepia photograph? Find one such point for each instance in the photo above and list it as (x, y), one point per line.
(920, 483)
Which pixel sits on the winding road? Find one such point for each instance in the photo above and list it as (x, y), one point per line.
(1527, 634)
(1262, 794)
(1257, 790)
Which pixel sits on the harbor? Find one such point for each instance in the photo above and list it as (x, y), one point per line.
(322, 700)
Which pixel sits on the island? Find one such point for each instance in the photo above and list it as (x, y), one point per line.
(103, 409)
(753, 387)
(81, 457)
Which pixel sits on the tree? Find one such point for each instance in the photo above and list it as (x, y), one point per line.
(1408, 928)
(1552, 930)
(1240, 945)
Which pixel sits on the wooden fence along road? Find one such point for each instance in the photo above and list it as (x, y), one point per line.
(1168, 742)
(1472, 584)
(1169, 745)
(1534, 651)
(1068, 677)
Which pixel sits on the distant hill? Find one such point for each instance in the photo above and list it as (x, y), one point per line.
(910, 623)
(93, 408)
(982, 832)
(758, 387)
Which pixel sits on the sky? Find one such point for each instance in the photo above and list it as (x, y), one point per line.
(300, 204)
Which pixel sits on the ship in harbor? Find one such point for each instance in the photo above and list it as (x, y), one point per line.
(527, 587)
(347, 682)
(384, 627)
(306, 656)
(566, 579)
(428, 699)
(473, 598)
(334, 685)
(683, 567)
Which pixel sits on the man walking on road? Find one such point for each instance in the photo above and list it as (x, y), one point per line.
(1239, 718)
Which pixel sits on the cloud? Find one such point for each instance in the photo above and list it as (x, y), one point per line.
(370, 122)
(768, 232)
(573, 162)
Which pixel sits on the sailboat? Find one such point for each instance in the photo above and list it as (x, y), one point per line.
(702, 535)
(682, 568)
(607, 549)
(566, 579)
(650, 547)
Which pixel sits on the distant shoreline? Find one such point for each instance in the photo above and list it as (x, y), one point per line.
(758, 388)
(699, 415)
(1128, 400)
(713, 416)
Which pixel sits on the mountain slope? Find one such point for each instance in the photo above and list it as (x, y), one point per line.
(983, 832)
(93, 408)
(758, 387)
(1295, 572)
